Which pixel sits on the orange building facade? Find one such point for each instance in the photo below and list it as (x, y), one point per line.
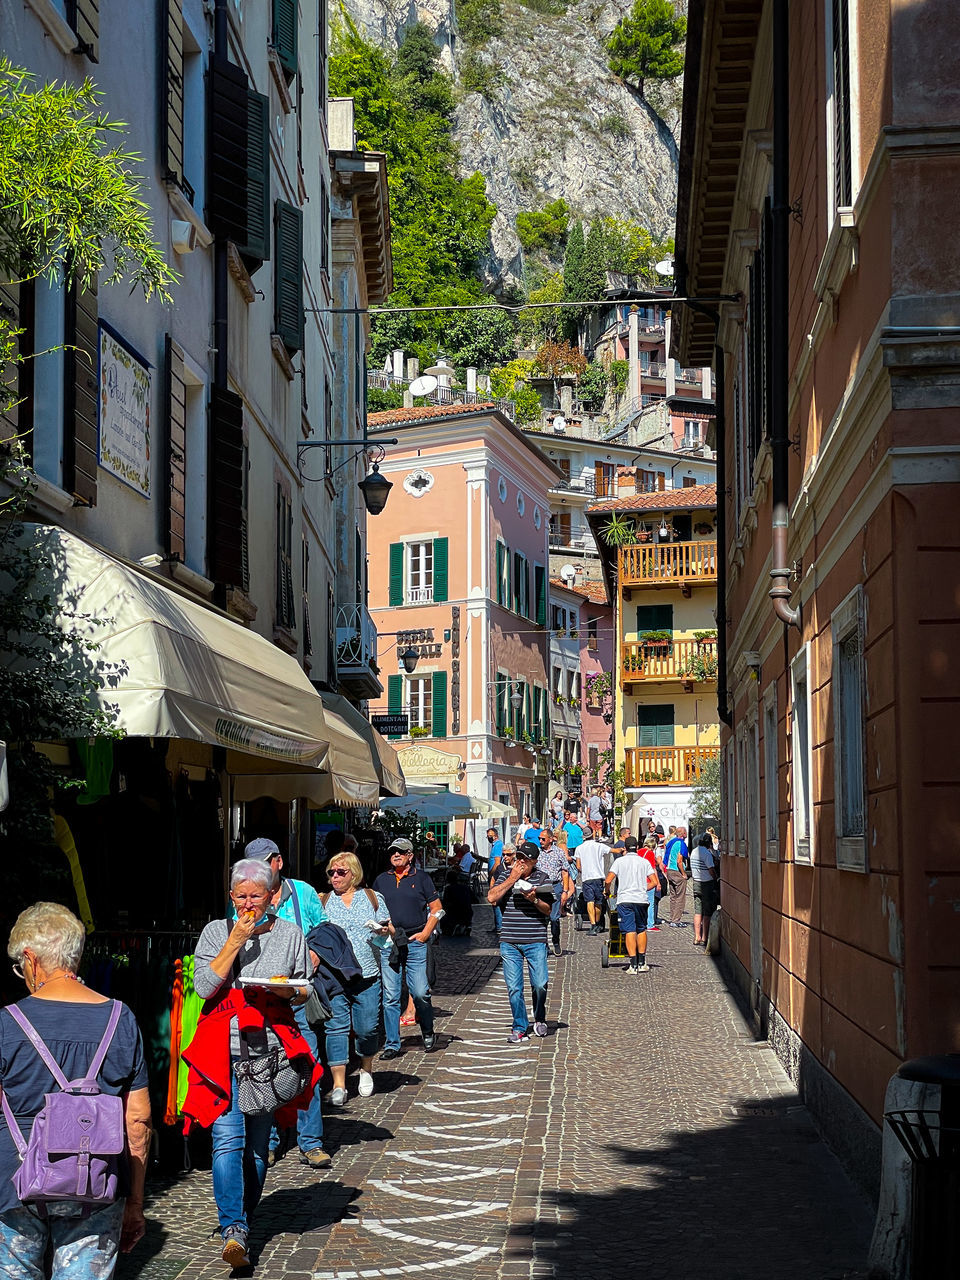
(841, 880)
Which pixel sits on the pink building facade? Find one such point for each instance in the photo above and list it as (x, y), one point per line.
(458, 571)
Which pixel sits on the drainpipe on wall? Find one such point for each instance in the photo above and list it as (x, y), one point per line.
(220, 268)
(780, 285)
(723, 693)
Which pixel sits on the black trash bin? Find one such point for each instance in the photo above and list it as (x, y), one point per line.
(931, 1138)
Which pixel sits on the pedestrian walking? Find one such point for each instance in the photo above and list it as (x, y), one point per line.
(595, 813)
(648, 850)
(494, 854)
(244, 1030)
(706, 888)
(675, 869)
(591, 858)
(556, 811)
(364, 918)
(74, 1024)
(633, 875)
(523, 937)
(298, 902)
(414, 907)
(553, 864)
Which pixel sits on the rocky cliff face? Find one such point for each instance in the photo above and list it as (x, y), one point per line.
(554, 122)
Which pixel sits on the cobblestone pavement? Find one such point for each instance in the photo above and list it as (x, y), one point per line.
(647, 1132)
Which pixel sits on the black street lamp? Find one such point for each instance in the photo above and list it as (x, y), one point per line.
(375, 489)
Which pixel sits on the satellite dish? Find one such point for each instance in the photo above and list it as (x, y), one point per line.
(560, 423)
(568, 573)
(423, 385)
(664, 267)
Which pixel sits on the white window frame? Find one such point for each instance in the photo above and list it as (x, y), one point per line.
(771, 766)
(830, 108)
(728, 800)
(423, 593)
(801, 749)
(421, 715)
(741, 790)
(846, 622)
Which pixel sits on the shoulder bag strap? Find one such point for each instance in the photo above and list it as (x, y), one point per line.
(372, 898)
(324, 899)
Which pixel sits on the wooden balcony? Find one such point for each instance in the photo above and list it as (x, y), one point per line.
(692, 661)
(666, 766)
(671, 564)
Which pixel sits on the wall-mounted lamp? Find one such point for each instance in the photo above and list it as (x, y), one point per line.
(409, 658)
(374, 487)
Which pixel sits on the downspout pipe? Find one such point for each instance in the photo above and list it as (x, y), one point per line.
(221, 277)
(781, 572)
(719, 392)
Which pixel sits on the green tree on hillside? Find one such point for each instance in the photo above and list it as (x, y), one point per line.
(593, 275)
(544, 230)
(512, 382)
(540, 323)
(647, 43)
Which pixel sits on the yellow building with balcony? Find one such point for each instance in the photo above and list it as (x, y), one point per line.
(659, 556)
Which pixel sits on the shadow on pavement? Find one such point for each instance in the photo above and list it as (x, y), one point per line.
(757, 1197)
(345, 1131)
(296, 1210)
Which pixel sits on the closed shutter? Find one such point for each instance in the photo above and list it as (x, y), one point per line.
(536, 721)
(227, 146)
(11, 370)
(655, 725)
(171, 89)
(527, 718)
(501, 554)
(288, 275)
(540, 590)
(440, 557)
(227, 514)
(84, 17)
(655, 617)
(526, 588)
(175, 414)
(545, 712)
(439, 704)
(515, 593)
(396, 573)
(501, 704)
(394, 699)
(256, 248)
(81, 434)
(284, 36)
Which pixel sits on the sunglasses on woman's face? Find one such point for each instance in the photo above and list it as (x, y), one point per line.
(339, 871)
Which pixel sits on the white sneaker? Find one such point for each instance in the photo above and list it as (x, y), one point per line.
(338, 1097)
(365, 1087)
(643, 968)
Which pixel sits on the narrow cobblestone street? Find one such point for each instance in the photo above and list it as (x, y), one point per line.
(648, 1132)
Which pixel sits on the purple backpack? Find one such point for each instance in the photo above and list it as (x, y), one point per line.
(77, 1139)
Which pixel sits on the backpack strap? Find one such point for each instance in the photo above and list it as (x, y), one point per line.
(324, 899)
(30, 1032)
(96, 1066)
(296, 904)
(12, 1125)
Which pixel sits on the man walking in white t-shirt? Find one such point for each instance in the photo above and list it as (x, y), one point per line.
(634, 876)
(592, 864)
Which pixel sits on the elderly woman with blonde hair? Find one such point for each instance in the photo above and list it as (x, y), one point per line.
(364, 918)
(74, 1024)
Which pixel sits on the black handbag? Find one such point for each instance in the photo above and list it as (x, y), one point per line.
(268, 1081)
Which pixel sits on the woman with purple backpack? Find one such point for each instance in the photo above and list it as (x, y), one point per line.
(67, 1211)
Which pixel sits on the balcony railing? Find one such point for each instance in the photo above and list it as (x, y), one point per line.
(419, 595)
(357, 649)
(440, 394)
(689, 660)
(666, 766)
(668, 564)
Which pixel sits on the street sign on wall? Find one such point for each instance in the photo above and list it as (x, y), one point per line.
(387, 724)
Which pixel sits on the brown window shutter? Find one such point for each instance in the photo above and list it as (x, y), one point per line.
(81, 430)
(176, 418)
(227, 515)
(171, 87)
(84, 17)
(11, 370)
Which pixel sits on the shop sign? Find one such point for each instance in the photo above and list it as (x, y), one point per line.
(124, 412)
(388, 724)
(428, 762)
(422, 641)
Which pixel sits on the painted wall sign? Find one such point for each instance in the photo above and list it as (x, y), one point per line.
(422, 641)
(124, 413)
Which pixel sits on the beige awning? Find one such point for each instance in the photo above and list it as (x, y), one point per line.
(174, 669)
(385, 757)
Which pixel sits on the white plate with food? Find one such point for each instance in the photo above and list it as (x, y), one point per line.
(277, 981)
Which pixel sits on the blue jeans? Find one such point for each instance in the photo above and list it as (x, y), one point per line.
(652, 900)
(415, 967)
(240, 1145)
(555, 911)
(310, 1121)
(362, 1007)
(512, 956)
(83, 1248)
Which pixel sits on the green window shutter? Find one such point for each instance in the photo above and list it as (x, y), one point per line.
(257, 247)
(545, 711)
(527, 717)
(394, 698)
(439, 704)
(655, 725)
(288, 275)
(655, 617)
(501, 703)
(540, 589)
(526, 588)
(284, 37)
(509, 558)
(501, 551)
(515, 595)
(440, 557)
(396, 573)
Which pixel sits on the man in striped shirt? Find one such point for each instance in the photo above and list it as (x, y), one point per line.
(523, 936)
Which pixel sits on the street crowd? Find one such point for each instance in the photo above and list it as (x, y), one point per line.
(287, 970)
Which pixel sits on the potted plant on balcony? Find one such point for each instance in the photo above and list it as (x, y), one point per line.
(508, 733)
(656, 642)
(703, 638)
(619, 531)
(419, 731)
(643, 534)
(701, 666)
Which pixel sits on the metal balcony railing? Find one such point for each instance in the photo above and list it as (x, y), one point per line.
(356, 638)
(688, 660)
(665, 766)
(419, 595)
(442, 395)
(668, 563)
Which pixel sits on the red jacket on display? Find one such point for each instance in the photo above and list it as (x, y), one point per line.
(209, 1079)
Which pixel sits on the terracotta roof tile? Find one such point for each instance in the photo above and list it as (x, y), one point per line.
(697, 495)
(427, 411)
(595, 592)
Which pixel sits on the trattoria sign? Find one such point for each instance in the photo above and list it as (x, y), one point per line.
(124, 412)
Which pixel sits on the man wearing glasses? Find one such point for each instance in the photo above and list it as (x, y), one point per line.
(523, 938)
(298, 902)
(414, 907)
